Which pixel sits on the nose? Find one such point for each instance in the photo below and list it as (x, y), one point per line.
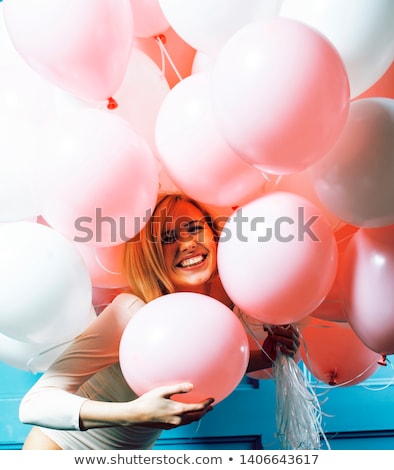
(187, 242)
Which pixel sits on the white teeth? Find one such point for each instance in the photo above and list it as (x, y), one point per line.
(191, 261)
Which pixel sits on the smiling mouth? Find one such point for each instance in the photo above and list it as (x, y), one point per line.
(191, 262)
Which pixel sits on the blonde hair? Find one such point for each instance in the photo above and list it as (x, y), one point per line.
(143, 258)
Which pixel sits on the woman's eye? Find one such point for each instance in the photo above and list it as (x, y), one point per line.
(168, 237)
(196, 228)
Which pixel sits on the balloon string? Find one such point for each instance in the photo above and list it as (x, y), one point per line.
(266, 177)
(163, 62)
(160, 41)
(298, 411)
(252, 334)
(101, 264)
(386, 385)
(344, 239)
(299, 415)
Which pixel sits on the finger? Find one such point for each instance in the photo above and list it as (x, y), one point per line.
(168, 390)
(289, 332)
(287, 336)
(199, 407)
(287, 351)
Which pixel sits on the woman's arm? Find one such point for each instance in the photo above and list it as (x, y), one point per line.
(154, 409)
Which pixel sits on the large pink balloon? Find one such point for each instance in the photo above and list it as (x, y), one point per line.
(355, 179)
(100, 180)
(277, 258)
(334, 354)
(280, 94)
(82, 47)
(185, 337)
(193, 152)
(367, 285)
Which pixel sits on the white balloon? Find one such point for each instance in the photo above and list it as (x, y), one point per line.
(202, 62)
(8, 54)
(141, 94)
(46, 293)
(26, 106)
(19, 195)
(361, 31)
(207, 24)
(193, 152)
(32, 357)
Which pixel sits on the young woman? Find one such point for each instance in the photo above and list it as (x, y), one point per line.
(82, 401)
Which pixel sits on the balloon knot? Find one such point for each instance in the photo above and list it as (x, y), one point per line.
(112, 104)
(161, 38)
(382, 360)
(332, 381)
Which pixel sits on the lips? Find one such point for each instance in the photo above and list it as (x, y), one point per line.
(191, 261)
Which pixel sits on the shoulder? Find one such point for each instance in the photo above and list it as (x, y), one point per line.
(127, 300)
(121, 309)
(129, 303)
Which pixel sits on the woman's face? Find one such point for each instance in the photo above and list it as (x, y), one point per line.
(189, 248)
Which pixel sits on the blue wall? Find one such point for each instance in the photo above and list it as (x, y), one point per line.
(356, 417)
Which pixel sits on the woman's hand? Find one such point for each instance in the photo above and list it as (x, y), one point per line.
(157, 409)
(284, 338)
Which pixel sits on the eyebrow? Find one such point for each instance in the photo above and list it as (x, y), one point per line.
(195, 222)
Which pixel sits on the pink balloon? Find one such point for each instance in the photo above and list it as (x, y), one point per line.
(280, 94)
(193, 152)
(333, 307)
(277, 258)
(101, 180)
(104, 264)
(334, 354)
(367, 285)
(185, 337)
(82, 47)
(149, 19)
(383, 87)
(355, 179)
